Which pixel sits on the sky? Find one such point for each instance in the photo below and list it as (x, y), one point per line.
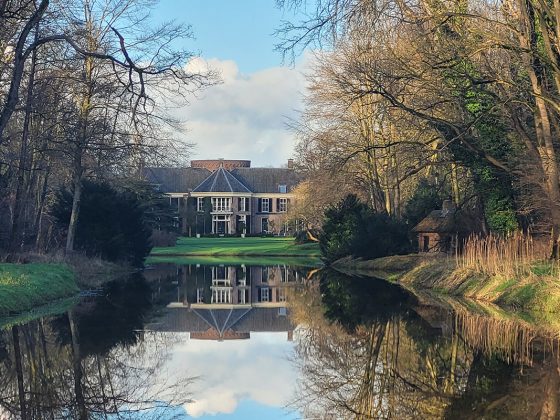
(235, 379)
(244, 117)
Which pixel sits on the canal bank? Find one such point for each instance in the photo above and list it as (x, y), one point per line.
(539, 290)
(27, 286)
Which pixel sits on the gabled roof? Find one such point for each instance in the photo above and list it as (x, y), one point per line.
(221, 181)
(267, 180)
(171, 180)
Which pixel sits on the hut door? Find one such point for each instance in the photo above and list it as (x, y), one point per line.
(426, 244)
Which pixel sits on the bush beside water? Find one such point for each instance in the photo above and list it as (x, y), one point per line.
(351, 228)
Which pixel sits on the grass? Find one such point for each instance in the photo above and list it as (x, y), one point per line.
(527, 291)
(27, 286)
(235, 260)
(240, 247)
(53, 308)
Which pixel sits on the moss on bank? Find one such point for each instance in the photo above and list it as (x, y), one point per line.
(534, 293)
(27, 286)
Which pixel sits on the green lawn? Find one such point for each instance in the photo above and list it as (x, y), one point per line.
(27, 286)
(296, 261)
(246, 247)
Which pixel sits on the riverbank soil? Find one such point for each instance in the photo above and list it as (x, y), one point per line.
(538, 291)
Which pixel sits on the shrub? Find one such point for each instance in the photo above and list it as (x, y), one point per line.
(351, 228)
(110, 225)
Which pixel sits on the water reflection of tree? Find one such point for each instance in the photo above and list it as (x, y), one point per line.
(51, 369)
(363, 354)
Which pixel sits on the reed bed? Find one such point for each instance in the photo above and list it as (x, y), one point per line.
(512, 341)
(509, 256)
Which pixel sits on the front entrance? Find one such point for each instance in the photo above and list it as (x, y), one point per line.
(221, 224)
(426, 244)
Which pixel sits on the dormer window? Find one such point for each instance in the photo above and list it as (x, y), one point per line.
(282, 189)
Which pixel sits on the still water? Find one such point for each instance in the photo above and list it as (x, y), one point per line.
(273, 342)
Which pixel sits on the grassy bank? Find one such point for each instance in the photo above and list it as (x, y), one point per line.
(27, 286)
(537, 291)
(240, 247)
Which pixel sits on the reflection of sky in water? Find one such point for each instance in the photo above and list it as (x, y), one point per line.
(240, 379)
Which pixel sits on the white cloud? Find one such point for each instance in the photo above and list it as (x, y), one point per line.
(245, 116)
(231, 371)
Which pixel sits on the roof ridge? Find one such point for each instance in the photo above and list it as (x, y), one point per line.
(215, 178)
(227, 180)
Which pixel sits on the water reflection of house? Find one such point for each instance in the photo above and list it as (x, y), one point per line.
(267, 286)
(224, 324)
(222, 302)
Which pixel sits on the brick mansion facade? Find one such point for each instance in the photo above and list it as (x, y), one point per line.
(228, 197)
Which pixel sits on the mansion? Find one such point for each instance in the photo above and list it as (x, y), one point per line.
(228, 197)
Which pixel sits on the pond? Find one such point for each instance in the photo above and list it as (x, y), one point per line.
(273, 342)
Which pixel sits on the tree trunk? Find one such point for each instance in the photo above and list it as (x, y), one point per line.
(19, 65)
(528, 39)
(72, 226)
(19, 372)
(13, 239)
(77, 367)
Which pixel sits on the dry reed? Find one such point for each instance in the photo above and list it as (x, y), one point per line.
(511, 340)
(509, 256)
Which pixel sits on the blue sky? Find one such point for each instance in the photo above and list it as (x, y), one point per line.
(238, 30)
(246, 116)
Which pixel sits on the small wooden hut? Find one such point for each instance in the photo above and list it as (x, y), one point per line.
(443, 230)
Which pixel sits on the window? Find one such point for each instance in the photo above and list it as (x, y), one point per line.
(242, 204)
(283, 189)
(243, 296)
(282, 205)
(200, 295)
(265, 296)
(174, 202)
(264, 225)
(200, 204)
(265, 205)
(221, 204)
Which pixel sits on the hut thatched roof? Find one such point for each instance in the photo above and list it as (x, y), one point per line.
(445, 221)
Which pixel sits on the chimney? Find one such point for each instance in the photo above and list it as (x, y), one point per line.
(290, 164)
(448, 206)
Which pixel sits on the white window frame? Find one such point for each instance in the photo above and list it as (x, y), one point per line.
(267, 201)
(200, 204)
(221, 204)
(267, 294)
(242, 204)
(282, 189)
(282, 205)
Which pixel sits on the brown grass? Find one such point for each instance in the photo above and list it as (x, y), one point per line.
(509, 257)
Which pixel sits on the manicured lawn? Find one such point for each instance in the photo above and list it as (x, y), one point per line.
(256, 247)
(296, 261)
(27, 286)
